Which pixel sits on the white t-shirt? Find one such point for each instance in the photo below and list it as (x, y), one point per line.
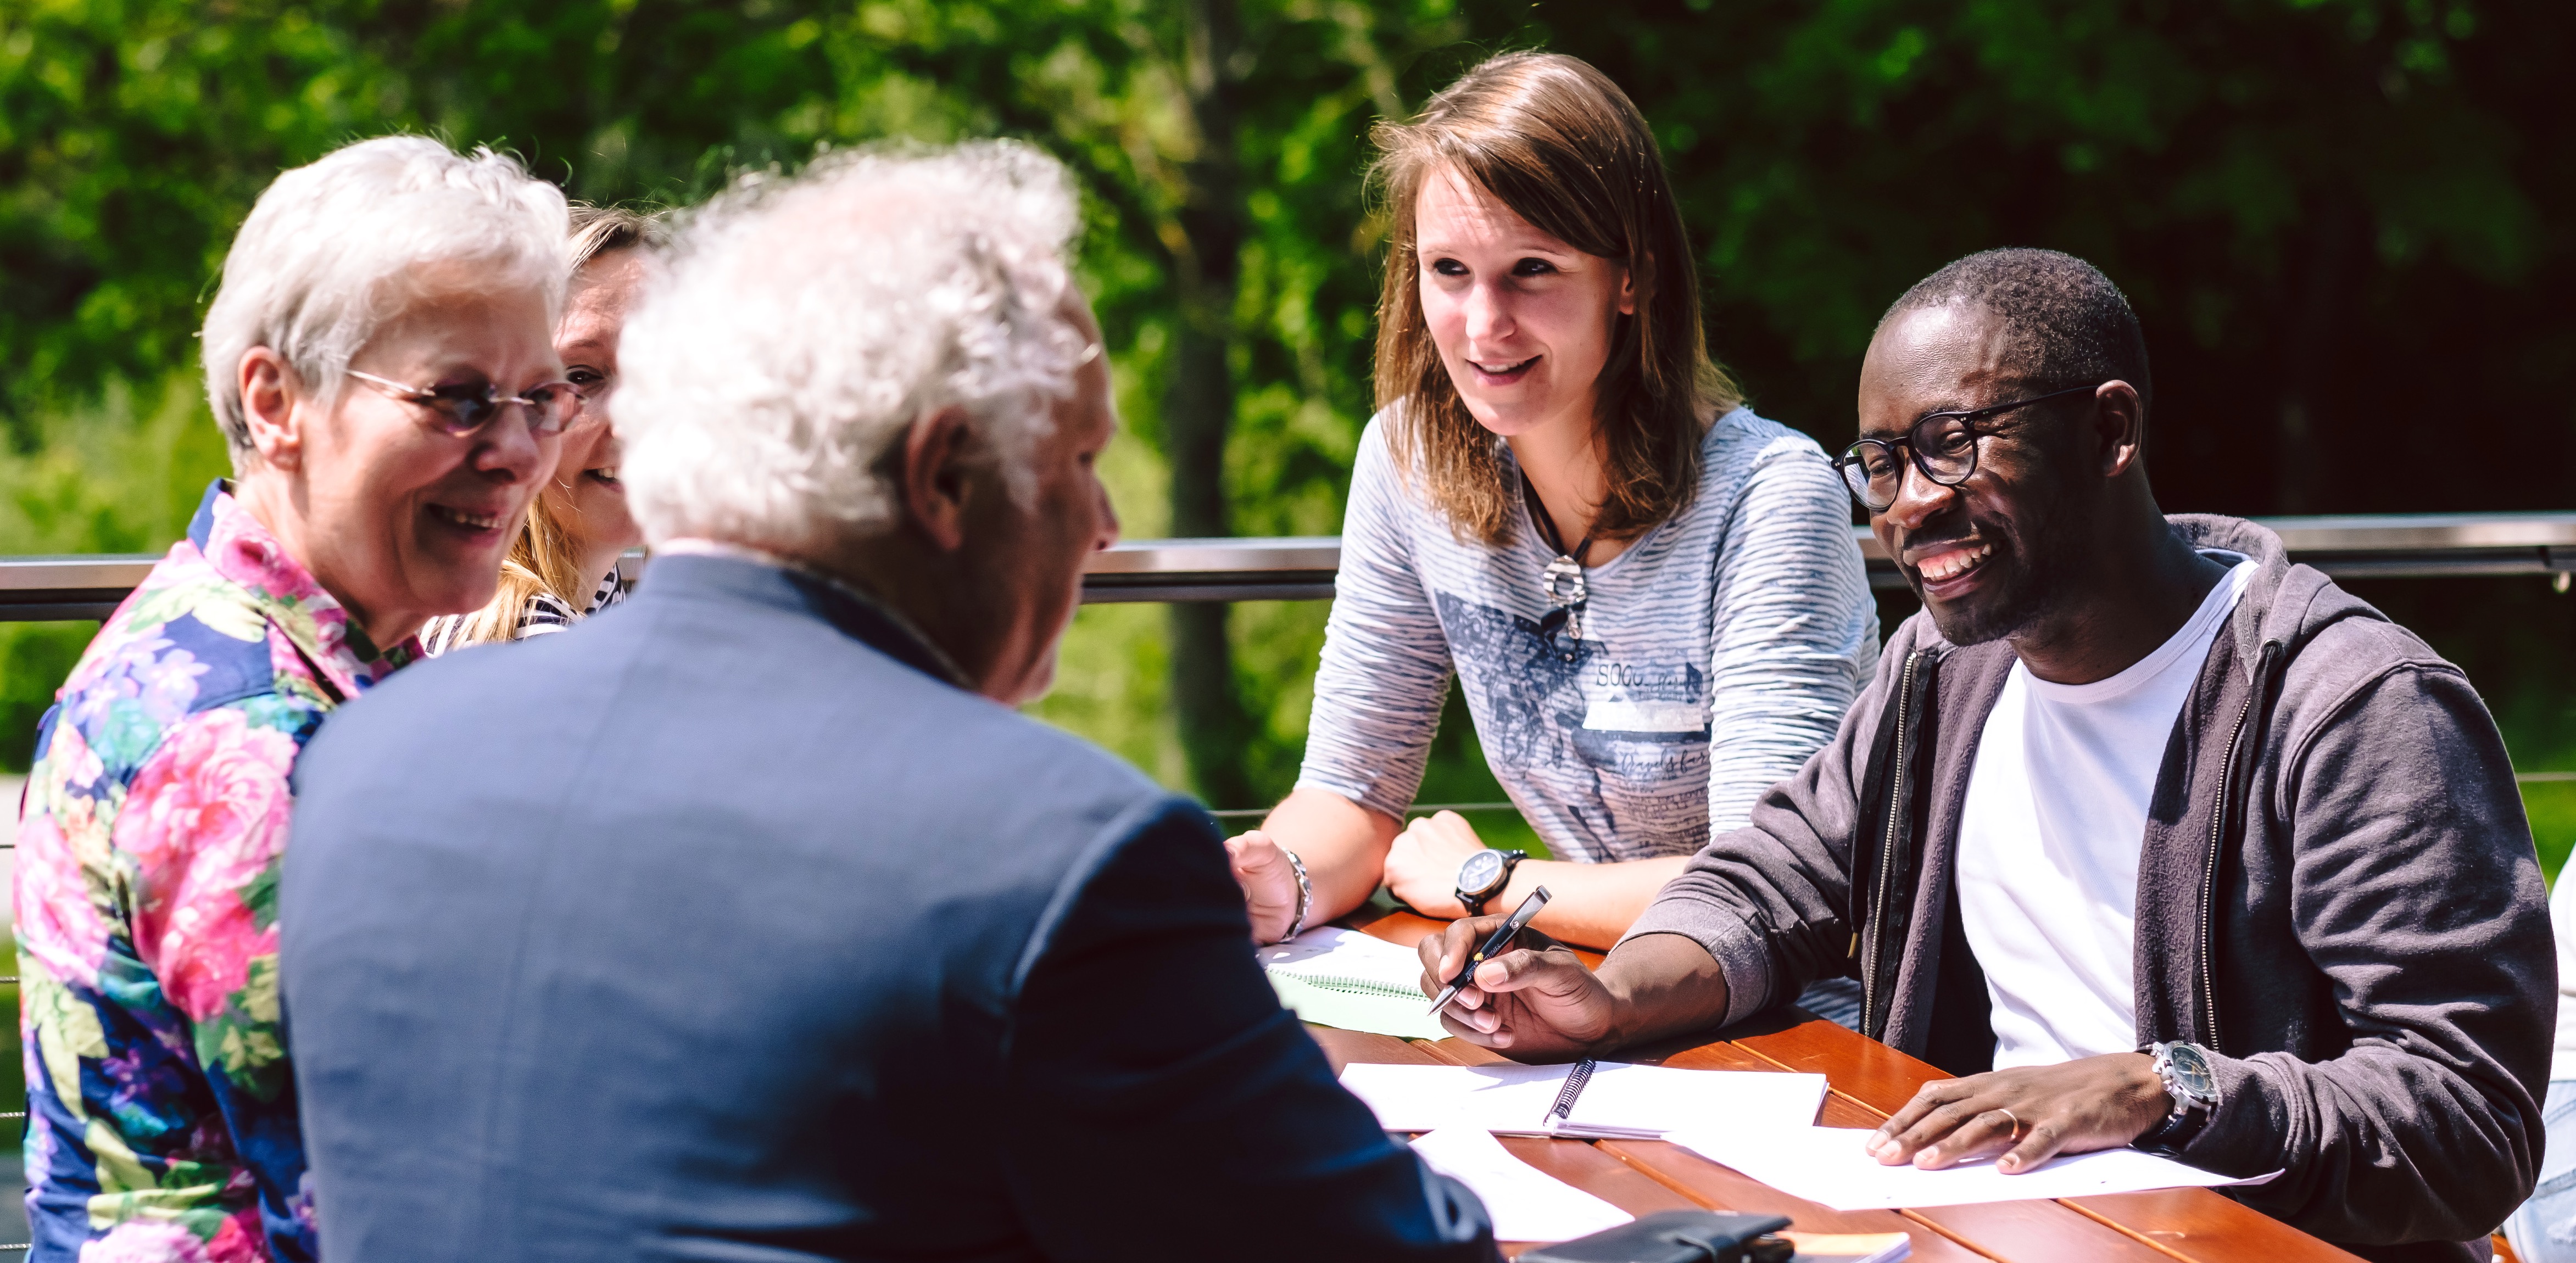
(2049, 840)
(2562, 919)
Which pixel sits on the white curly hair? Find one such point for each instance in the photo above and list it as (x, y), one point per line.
(334, 249)
(802, 324)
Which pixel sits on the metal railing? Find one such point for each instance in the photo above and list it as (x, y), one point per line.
(2408, 546)
(2432, 545)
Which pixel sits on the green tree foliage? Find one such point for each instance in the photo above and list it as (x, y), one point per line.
(2295, 193)
(1219, 144)
(2345, 223)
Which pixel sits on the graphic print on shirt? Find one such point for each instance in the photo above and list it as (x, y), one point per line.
(1638, 730)
(1743, 626)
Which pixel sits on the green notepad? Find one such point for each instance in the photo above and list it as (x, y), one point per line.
(1356, 1004)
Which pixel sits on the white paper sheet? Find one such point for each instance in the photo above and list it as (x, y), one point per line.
(1334, 948)
(1525, 1203)
(1828, 1165)
(1336, 977)
(1621, 1099)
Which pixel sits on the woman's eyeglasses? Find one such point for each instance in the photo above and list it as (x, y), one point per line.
(1943, 444)
(464, 409)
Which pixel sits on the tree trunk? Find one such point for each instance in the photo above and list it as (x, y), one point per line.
(1198, 404)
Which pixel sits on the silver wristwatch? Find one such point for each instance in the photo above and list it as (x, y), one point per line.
(2193, 1084)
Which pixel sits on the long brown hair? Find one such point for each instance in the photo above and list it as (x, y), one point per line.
(1562, 146)
(541, 559)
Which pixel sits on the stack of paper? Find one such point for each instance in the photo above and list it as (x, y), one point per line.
(1829, 1165)
(1525, 1203)
(1336, 977)
(1621, 1101)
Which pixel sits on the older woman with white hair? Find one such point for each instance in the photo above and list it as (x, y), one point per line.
(380, 360)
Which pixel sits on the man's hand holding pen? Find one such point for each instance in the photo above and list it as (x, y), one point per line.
(1545, 1005)
(1528, 1005)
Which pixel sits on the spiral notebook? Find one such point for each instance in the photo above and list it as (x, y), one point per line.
(1336, 977)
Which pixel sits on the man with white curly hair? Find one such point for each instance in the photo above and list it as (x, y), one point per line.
(749, 920)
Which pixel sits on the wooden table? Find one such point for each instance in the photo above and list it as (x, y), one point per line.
(1866, 1082)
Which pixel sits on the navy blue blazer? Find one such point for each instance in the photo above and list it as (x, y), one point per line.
(722, 927)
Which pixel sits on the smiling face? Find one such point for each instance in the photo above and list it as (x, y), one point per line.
(1523, 320)
(394, 517)
(1985, 556)
(584, 498)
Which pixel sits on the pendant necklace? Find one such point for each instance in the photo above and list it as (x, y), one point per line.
(1562, 581)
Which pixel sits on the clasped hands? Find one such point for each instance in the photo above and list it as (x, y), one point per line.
(1547, 1006)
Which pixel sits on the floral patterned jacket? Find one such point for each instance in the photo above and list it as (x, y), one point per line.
(161, 1121)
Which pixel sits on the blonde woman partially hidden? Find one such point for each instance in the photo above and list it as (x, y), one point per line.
(563, 568)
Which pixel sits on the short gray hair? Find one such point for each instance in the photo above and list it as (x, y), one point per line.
(804, 323)
(330, 249)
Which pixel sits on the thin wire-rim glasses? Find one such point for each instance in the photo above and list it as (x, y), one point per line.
(1943, 445)
(462, 410)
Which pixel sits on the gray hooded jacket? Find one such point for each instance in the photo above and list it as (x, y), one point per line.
(2337, 896)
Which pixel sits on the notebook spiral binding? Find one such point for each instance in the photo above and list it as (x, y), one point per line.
(1565, 1096)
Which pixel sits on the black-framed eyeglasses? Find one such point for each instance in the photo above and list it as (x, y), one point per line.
(1943, 444)
(464, 409)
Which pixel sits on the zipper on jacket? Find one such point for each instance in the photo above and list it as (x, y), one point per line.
(2228, 805)
(1877, 924)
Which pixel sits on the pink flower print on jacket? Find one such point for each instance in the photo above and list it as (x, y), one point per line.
(204, 825)
(161, 1105)
(146, 1241)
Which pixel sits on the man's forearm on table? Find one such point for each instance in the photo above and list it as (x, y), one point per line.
(1661, 984)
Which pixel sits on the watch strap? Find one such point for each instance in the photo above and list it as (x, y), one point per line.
(2179, 1129)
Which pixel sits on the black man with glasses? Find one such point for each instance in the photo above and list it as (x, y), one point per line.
(2149, 835)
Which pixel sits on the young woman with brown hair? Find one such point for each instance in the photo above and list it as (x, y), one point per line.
(1651, 596)
(563, 566)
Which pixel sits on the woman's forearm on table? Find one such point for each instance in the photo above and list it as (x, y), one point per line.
(1342, 844)
(1589, 905)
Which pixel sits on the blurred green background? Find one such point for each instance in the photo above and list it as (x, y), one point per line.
(2345, 223)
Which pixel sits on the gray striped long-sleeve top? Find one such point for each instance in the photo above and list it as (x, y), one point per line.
(1718, 651)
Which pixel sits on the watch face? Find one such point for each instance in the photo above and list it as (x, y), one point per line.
(2191, 1072)
(1479, 871)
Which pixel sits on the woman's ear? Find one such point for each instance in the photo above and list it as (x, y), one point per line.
(269, 392)
(1627, 291)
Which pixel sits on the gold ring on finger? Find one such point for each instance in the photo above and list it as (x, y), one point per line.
(2016, 1122)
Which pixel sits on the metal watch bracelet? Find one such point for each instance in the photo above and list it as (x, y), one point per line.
(1305, 895)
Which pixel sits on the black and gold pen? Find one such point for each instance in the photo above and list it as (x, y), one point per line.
(1493, 946)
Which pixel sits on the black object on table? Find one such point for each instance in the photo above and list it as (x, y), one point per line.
(1677, 1236)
